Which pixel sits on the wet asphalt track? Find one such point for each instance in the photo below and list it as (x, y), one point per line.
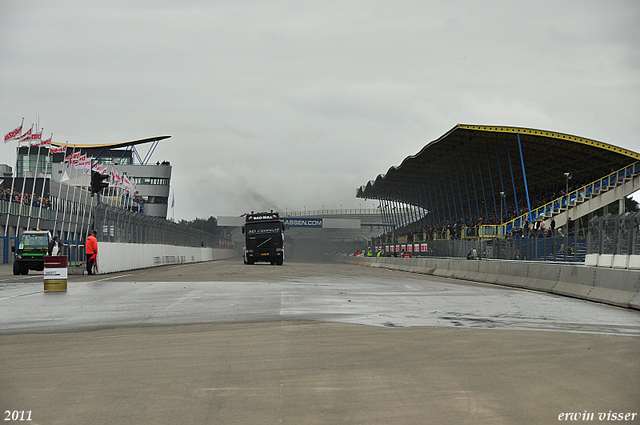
(331, 343)
(185, 294)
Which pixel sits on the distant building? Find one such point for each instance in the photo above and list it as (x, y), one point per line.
(152, 181)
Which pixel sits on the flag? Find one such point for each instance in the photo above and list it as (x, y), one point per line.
(13, 135)
(58, 149)
(26, 136)
(173, 200)
(46, 143)
(40, 143)
(73, 158)
(37, 136)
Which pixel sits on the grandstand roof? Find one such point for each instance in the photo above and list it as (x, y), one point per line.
(113, 145)
(476, 157)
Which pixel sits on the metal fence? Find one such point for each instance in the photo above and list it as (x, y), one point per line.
(614, 234)
(571, 248)
(118, 225)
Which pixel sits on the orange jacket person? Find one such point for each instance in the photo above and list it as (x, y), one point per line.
(91, 248)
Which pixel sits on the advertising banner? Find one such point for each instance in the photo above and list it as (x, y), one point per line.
(55, 273)
(303, 222)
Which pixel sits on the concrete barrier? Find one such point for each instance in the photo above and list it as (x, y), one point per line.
(620, 261)
(575, 281)
(513, 273)
(117, 257)
(620, 287)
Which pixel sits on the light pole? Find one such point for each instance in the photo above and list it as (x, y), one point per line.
(567, 176)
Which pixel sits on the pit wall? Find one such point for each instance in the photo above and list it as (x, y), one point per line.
(117, 257)
(606, 285)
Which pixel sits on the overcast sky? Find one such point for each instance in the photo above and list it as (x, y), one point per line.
(295, 104)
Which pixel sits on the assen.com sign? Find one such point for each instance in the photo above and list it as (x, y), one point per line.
(302, 222)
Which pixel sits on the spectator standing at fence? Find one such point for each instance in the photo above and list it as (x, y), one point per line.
(91, 248)
(54, 246)
(552, 227)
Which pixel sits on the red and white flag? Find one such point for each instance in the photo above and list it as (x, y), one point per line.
(58, 149)
(41, 143)
(115, 178)
(27, 135)
(73, 158)
(46, 143)
(13, 135)
(37, 136)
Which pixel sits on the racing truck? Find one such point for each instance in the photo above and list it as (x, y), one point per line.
(264, 238)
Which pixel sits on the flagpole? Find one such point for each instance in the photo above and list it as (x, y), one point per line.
(44, 179)
(73, 197)
(81, 196)
(35, 177)
(13, 181)
(59, 192)
(67, 195)
(23, 181)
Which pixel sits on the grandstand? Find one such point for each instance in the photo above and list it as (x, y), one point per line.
(488, 183)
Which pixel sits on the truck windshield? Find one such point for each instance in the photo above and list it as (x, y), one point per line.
(33, 241)
(259, 229)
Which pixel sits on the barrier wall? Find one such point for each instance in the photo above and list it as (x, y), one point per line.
(117, 257)
(606, 285)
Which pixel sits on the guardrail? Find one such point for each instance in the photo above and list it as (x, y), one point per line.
(341, 211)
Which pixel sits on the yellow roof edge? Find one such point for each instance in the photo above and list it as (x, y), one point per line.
(111, 145)
(554, 135)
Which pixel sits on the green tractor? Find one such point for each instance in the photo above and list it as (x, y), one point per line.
(32, 248)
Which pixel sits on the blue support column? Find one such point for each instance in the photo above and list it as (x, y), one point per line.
(466, 186)
(524, 175)
(410, 209)
(464, 219)
(385, 214)
(394, 212)
(398, 214)
(513, 180)
(504, 200)
(427, 206)
(444, 181)
(416, 206)
(433, 196)
(442, 196)
(455, 206)
(475, 191)
(484, 195)
(493, 193)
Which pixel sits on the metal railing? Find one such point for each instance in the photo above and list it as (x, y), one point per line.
(617, 234)
(341, 211)
(571, 199)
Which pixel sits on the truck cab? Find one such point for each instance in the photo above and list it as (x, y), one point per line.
(30, 252)
(264, 238)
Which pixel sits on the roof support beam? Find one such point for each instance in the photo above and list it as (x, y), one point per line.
(513, 181)
(455, 208)
(484, 195)
(524, 175)
(504, 198)
(493, 193)
(464, 218)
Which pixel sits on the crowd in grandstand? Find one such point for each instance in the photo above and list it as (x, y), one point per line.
(455, 228)
(26, 199)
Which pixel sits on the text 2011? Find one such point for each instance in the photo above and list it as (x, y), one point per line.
(17, 415)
